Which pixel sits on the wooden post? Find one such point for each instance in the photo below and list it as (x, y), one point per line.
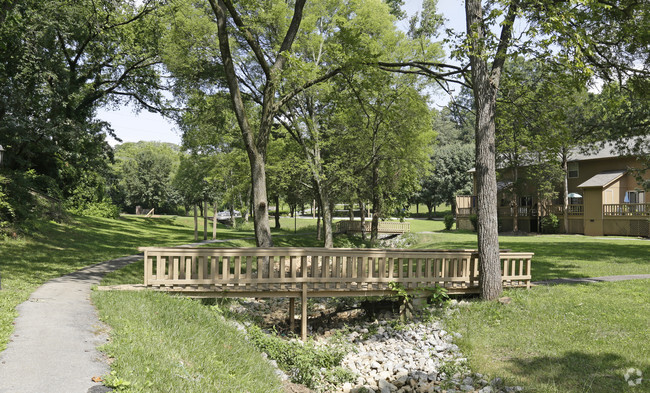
(303, 322)
(292, 314)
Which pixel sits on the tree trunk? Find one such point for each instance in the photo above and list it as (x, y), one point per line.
(374, 229)
(417, 208)
(485, 83)
(255, 144)
(313, 209)
(565, 204)
(214, 222)
(376, 202)
(205, 220)
(362, 218)
(326, 212)
(233, 220)
(277, 212)
(319, 233)
(515, 202)
(250, 204)
(351, 211)
(196, 223)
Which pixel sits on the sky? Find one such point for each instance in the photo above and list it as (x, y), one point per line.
(130, 126)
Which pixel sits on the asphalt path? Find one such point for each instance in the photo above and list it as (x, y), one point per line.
(54, 344)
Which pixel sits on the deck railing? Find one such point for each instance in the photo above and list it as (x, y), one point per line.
(574, 210)
(627, 209)
(384, 226)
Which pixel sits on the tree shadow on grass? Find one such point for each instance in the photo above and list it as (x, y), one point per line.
(577, 372)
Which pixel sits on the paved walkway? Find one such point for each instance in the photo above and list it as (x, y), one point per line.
(54, 344)
(586, 280)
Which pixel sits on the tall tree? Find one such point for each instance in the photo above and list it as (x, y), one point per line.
(485, 82)
(60, 61)
(270, 55)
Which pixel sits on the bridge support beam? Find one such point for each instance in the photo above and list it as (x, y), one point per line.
(303, 321)
(292, 314)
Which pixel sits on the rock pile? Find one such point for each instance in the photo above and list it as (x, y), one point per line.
(412, 358)
(388, 356)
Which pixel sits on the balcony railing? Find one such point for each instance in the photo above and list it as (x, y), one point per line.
(574, 210)
(626, 209)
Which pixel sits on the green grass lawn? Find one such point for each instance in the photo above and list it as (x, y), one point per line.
(559, 256)
(564, 338)
(161, 343)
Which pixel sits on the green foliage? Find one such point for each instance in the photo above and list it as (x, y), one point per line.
(303, 361)
(449, 221)
(399, 290)
(473, 218)
(144, 172)
(104, 209)
(550, 223)
(6, 210)
(61, 61)
(437, 295)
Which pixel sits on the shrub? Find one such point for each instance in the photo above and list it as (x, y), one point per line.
(473, 218)
(103, 209)
(303, 362)
(550, 224)
(449, 221)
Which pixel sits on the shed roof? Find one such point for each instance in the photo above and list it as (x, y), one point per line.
(603, 179)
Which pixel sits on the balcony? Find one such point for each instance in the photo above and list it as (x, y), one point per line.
(626, 209)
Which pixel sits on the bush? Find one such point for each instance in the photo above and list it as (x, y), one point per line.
(103, 209)
(449, 221)
(303, 362)
(550, 224)
(473, 218)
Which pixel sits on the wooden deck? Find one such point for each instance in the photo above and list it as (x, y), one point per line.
(319, 272)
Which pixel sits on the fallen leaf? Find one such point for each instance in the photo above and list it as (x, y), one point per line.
(97, 379)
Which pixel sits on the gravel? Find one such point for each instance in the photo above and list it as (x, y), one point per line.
(388, 356)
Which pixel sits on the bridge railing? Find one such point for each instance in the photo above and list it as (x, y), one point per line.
(384, 226)
(279, 271)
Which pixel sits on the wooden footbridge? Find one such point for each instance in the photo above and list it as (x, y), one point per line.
(392, 227)
(319, 272)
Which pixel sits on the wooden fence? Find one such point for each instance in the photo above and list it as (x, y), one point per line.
(384, 226)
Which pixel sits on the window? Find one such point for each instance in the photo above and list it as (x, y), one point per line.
(631, 197)
(573, 170)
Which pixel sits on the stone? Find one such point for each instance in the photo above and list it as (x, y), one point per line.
(401, 381)
(468, 381)
(386, 387)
